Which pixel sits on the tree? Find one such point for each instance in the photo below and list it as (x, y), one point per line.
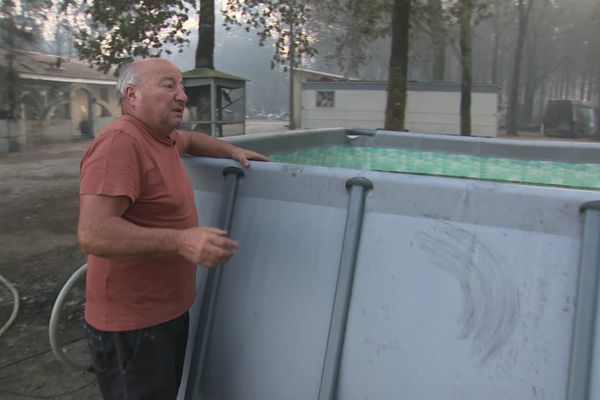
(595, 68)
(119, 30)
(362, 23)
(20, 27)
(524, 8)
(283, 21)
(468, 13)
(499, 15)
(206, 35)
(439, 44)
(535, 66)
(356, 26)
(398, 71)
(465, 11)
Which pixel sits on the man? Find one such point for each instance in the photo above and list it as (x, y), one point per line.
(138, 225)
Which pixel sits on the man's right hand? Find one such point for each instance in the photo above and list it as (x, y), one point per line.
(206, 246)
(102, 231)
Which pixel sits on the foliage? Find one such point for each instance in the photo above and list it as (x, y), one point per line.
(21, 24)
(479, 9)
(20, 27)
(117, 31)
(283, 21)
(356, 25)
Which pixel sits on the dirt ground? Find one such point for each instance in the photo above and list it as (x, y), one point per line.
(38, 216)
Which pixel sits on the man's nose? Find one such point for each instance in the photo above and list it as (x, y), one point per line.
(181, 95)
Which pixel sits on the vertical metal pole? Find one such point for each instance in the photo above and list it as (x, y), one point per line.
(586, 330)
(213, 109)
(358, 188)
(211, 289)
(292, 124)
(244, 110)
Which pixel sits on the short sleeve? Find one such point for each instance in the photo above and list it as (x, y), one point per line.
(181, 141)
(112, 166)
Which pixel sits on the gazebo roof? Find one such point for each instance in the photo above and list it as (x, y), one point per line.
(210, 73)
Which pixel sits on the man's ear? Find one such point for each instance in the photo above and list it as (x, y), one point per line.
(130, 93)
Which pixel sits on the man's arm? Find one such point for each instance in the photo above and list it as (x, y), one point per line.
(200, 144)
(103, 232)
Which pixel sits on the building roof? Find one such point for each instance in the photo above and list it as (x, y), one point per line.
(411, 85)
(324, 75)
(210, 73)
(47, 67)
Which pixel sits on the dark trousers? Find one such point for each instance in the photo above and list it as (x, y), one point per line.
(139, 364)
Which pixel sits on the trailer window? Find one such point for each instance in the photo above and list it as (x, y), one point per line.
(325, 99)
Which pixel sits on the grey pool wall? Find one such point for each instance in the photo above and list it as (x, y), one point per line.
(459, 289)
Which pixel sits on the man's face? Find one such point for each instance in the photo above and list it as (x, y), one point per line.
(159, 99)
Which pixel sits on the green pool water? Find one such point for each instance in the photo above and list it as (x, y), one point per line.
(575, 175)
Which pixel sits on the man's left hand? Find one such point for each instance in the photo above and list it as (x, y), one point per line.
(243, 156)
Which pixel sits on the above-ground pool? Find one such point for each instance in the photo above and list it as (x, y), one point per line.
(355, 283)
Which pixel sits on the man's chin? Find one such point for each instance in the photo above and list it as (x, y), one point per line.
(176, 122)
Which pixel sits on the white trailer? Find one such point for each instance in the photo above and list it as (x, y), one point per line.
(431, 107)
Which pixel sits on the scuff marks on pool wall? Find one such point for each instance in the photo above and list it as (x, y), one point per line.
(490, 297)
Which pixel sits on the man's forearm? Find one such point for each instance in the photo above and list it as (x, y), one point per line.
(119, 239)
(201, 144)
(116, 238)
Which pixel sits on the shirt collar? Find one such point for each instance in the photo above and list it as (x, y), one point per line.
(146, 129)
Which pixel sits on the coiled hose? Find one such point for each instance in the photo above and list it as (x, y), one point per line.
(59, 353)
(16, 303)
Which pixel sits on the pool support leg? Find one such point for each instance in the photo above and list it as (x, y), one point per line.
(211, 289)
(584, 379)
(358, 188)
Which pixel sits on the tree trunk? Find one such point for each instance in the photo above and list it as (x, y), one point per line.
(466, 61)
(495, 51)
(497, 41)
(398, 70)
(592, 85)
(514, 88)
(569, 84)
(206, 35)
(583, 84)
(531, 77)
(543, 99)
(438, 69)
(560, 88)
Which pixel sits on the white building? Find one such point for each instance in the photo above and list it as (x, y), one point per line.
(59, 99)
(431, 107)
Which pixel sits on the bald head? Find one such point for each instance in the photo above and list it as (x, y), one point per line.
(132, 73)
(152, 91)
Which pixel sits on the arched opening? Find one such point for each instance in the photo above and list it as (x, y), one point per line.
(82, 106)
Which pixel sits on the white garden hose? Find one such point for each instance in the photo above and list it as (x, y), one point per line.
(59, 353)
(16, 303)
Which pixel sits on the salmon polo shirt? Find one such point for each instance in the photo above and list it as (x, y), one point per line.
(127, 159)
